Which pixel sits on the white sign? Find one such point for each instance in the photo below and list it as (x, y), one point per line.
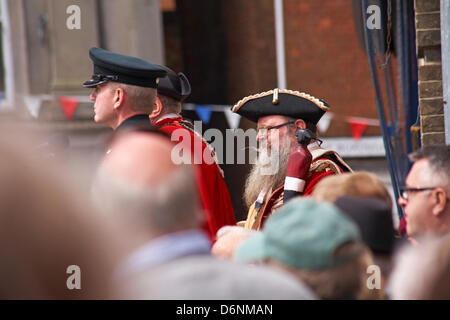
(362, 148)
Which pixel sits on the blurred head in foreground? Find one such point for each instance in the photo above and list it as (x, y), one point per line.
(228, 239)
(374, 220)
(52, 242)
(316, 243)
(139, 184)
(422, 272)
(157, 202)
(354, 184)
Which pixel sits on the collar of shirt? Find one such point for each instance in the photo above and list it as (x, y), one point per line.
(135, 121)
(169, 116)
(313, 146)
(163, 249)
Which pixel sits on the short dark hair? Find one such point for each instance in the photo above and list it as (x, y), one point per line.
(170, 105)
(311, 126)
(438, 158)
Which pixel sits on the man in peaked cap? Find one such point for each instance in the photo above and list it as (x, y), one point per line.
(279, 113)
(215, 199)
(124, 88)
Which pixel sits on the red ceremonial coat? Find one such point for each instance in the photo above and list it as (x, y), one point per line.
(214, 196)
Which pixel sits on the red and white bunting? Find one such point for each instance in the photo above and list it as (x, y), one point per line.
(324, 122)
(68, 105)
(358, 127)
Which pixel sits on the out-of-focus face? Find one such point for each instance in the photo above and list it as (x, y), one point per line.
(274, 136)
(226, 245)
(418, 207)
(103, 98)
(133, 159)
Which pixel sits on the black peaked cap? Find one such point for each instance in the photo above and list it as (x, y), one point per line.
(282, 102)
(110, 66)
(374, 220)
(175, 86)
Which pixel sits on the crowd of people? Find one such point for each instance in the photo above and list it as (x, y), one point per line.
(150, 228)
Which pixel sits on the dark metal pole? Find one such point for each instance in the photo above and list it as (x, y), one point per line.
(382, 118)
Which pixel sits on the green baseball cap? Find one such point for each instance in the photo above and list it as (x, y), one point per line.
(303, 234)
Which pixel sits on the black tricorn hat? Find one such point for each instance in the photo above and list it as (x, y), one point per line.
(110, 66)
(175, 86)
(294, 104)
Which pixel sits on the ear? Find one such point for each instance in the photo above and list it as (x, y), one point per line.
(439, 198)
(299, 124)
(157, 110)
(118, 98)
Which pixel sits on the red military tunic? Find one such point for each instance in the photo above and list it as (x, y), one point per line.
(324, 164)
(215, 199)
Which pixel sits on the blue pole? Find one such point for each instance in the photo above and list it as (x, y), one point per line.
(381, 115)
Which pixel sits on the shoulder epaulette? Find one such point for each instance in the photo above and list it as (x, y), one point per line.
(321, 165)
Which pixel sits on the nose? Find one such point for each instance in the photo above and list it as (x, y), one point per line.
(258, 135)
(402, 201)
(262, 134)
(93, 95)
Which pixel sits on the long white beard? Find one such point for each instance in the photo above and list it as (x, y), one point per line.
(269, 170)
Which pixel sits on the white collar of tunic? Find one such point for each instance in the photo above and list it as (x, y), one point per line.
(168, 116)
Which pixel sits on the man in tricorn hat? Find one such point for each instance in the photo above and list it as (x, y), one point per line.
(124, 88)
(279, 113)
(215, 199)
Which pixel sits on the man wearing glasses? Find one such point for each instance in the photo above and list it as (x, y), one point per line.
(279, 113)
(425, 198)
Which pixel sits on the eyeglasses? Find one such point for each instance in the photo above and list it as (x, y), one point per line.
(266, 129)
(404, 191)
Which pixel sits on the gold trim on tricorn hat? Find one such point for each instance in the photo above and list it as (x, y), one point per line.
(275, 96)
(309, 97)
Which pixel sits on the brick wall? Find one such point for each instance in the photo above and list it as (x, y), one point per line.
(250, 42)
(324, 58)
(430, 71)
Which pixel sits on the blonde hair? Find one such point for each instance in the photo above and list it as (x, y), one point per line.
(355, 184)
(140, 99)
(170, 105)
(343, 281)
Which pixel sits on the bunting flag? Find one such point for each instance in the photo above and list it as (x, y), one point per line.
(33, 105)
(232, 118)
(324, 122)
(69, 105)
(358, 126)
(204, 113)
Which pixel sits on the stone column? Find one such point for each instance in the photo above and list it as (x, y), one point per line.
(133, 28)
